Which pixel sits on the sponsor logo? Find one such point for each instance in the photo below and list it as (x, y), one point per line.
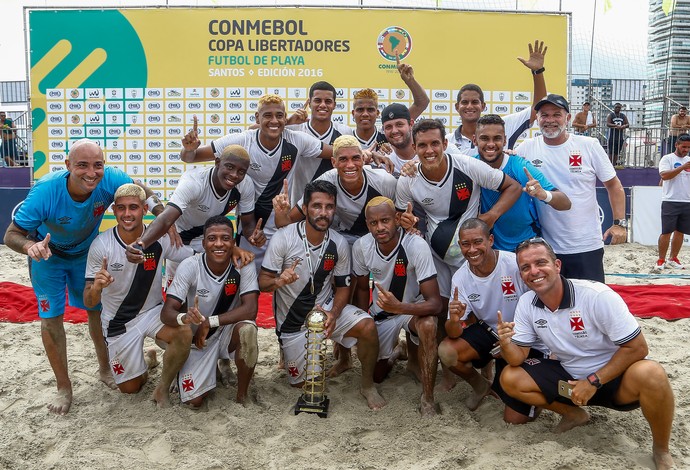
(215, 105)
(474, 297)
(541, 323)
(203, 208)
(64, 220)
(202, 293)
(153, 93)
(441, 95)
(537, 163)
(174, 131)
(117, 266)
(394, 42)
(215, 92)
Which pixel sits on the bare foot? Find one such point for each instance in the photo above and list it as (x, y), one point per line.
(107, 378)
(663, 460)
(227, 375)
(151, 358)
(428, 408)
(161, 397)
(374, 400)
(478, 394)
(345, 363)
(576, 417)
(62, 402)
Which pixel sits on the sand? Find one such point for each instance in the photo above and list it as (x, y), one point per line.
(106, 429)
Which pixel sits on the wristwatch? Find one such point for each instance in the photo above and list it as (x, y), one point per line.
(593, 379)
(621, 222)
(538, 71)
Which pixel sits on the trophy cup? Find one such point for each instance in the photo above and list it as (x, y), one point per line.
(313, 398)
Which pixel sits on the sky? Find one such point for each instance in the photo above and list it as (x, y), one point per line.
(619, 42)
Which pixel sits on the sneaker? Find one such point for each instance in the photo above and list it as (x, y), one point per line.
(674, 263)
(660, 264)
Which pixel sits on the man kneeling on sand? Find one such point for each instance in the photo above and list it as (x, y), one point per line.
(599, 347)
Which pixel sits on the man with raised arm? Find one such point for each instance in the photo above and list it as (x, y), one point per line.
(470, 105)
(221, 300)
(132, 298)
(406, 295)
(599, 348)
(55, 226)
(307, 266)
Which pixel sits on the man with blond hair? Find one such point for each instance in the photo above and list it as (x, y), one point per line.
(132, 298)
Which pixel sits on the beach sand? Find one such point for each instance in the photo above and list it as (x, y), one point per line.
(106, 429)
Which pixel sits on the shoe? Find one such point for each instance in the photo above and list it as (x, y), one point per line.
(660, 264)
(674, 263)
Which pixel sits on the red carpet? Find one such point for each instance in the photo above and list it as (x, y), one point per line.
(18, 305)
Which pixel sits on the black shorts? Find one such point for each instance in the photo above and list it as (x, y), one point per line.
(483, 342)
(588, 265)
(547, 372)
(675, 216)
(615, 146)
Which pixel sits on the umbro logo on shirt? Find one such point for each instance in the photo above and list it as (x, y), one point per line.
(116, 266)
(255, 166)
(474, 297)
(428, 200)
(64, 220)
(541, 323)
(203, 208)
(202, 292)
(537, 163)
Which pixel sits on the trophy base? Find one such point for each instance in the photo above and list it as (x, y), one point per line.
(321, 409)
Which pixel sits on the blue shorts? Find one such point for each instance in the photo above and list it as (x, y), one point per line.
(49, 279)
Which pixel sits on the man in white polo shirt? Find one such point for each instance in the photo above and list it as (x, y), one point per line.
(599, 345)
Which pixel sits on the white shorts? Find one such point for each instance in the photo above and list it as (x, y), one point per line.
(126, 351)
(294, 344)
(389, 331)
(444, 275)
(198, 374)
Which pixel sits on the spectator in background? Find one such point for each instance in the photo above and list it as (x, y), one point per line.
(8, 150)
(617, 122)
(680, 123)
(584, 120)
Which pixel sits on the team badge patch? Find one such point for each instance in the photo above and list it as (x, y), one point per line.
(399, 270)
(98, 209)
(44, 305)
(286, 163)
(118, 369)
(187, 383)
(328, 262)
(577, 324)
(575, 161)
(462, 192)
(149, 262)
(230, 286)
(508, 287)
(292, 369)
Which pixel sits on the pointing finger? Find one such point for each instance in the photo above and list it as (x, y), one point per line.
(380, 288)
(285, 186)
(258, 226)
(295, 263)
(409, 208)
(527, 173)
(105, 263)
(196, 302)
(397, 58)
(46, 240)
(455, 294)
(196, 124)
(500, 317)
(306, 105)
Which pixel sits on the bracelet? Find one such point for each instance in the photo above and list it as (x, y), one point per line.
(152, 202)
(549, 196)
(179, 319)
(538, 71)
(214, 321)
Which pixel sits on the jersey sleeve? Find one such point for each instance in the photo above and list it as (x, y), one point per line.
(359, 265)
(231, 139)
(94, 261)
(614, 318)
(525, 335)
(114, 178)
(175, 253)
(665, 164)
(422, 259)
(341, 273)
(247, 195)
(482, 173)
(34, 209)
(185, 279)
(248, 280)
(537, 175)
(389, 186)
(403, 191)
(275, 251)
(187, 191)
(603, 167)
(308, 146)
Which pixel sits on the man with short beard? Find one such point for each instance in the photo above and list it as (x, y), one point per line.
(573, 163)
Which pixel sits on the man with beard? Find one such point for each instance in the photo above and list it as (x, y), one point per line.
(132, 298)
(307, 266)
(406, 295)
(573, 163)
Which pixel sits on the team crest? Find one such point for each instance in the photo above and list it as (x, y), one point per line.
(230, 286)
(286, 163)
(98, 209)
(507, 286)
(292, 369)
(577, 324)
(149, 262)
(43, 305)
(399, 269)
(462, 192)
(232, 204)
(118, 369)
(328, 262)
(187, 383)
(575, 161)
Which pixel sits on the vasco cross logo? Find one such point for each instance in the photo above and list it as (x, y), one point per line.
(393, 41)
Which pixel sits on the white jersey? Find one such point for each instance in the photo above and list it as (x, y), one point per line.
(137, 287)
(515, 125)
(268, 168)
(400, 272)
(449, 202)
(573, 167)
(377, 137)
(327, 262)
(349, 210)
(586, 330)
(677, 189)
(312, 168)
(197, 200)
(216, 294)
(484, 296)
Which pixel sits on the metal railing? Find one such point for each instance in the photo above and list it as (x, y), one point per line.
(19, 153)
